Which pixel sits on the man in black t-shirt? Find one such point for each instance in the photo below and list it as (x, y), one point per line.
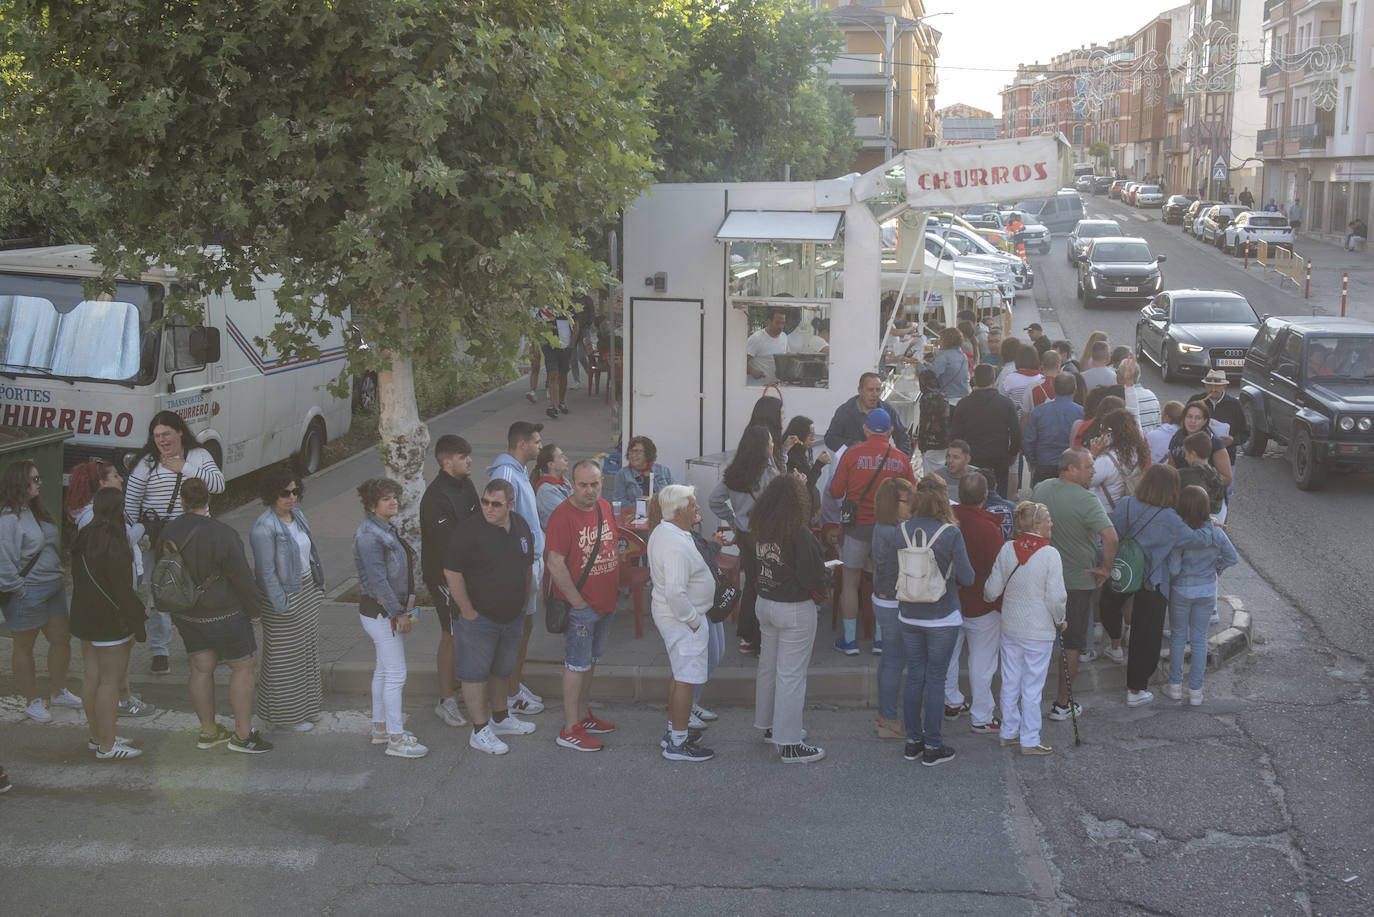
(487, 566)
(449, 499)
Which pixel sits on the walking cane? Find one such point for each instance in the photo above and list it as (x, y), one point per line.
(1068, 683)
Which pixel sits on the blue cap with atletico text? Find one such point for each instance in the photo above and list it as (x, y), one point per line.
(878, 421)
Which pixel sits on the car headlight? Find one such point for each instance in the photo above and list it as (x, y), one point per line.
(1365, 423)
(1347, 423)
(1188, 348)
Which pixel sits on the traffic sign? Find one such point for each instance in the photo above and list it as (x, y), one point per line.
(1219, 173)
(1220, 163)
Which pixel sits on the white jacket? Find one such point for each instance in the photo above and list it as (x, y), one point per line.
(1033, 603)
(684, 586)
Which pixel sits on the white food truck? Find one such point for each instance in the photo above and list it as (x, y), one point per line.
(706, 264)
(101, 369)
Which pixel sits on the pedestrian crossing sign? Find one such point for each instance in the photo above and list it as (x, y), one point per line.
(1219, 173)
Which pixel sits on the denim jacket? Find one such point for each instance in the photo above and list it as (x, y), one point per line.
(1158, 531)
(950, 553)
(277, 560)
(383, 563)
(1193, 573)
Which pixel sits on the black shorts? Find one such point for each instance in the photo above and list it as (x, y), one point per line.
(230, 639)
(1078, 615)
(443, 607)
(557, 359)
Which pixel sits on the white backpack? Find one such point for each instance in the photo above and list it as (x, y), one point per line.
(919, 578)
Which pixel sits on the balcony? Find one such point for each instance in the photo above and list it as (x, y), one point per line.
(854, 69)
(1173, 143)
(1309, 136)
(1267, 135)
(871, 131)
(1343, 59)
(1174, 102)
(1273, 9)
(1268, 72)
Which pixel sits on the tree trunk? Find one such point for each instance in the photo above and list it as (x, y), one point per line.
(405, 440)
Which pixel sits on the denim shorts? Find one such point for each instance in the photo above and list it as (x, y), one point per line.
(484, 648)
(35, 606)
(585, 641)
(230, 639)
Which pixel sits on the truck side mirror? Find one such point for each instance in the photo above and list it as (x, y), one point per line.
(204, 344)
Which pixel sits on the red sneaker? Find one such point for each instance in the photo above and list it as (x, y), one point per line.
(593, 726)
(577, 740)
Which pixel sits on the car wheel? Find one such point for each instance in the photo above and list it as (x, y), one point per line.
(1309, 472)
(1045, 248)
(1166, 364)
(1259, 440)
(1220, 243)
(1068, 254)
(1140, 354)
(365, 392)
(312, 447)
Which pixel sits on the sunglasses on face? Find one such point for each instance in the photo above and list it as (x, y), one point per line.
(494, 504)
(289, 492)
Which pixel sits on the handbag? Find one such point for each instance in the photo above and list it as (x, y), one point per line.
(849, 509)
(557, 610)
(137, 626)
(5, 596)
(152, 522)
(726, 596)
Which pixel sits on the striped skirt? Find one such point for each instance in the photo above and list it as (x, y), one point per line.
(289, 686)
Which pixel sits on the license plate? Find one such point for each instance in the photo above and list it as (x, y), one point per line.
(1128, 289)
(1231, 362)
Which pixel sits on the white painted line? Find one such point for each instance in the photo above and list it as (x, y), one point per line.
(108, 854)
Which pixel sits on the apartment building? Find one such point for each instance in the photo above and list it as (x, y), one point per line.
(966, 124)
(888, 66)
(1317, 83)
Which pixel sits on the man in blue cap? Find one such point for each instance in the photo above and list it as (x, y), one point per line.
(861, 469)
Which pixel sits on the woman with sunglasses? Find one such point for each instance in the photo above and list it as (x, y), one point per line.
(291, 591)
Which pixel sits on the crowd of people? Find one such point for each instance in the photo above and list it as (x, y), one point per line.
(1113, 485)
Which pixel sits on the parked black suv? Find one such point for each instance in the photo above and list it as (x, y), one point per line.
(1309, 385)
(1120, 267)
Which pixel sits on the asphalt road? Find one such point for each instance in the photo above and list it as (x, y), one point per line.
(1312, 547)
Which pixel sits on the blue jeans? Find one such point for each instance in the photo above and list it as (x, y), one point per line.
(1188, 622)
(928, 650)
(715, 652)
(584, 643)
(891, 662)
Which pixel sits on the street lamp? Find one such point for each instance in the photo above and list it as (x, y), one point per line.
(888, 38)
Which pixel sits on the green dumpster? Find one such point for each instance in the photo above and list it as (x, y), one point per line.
(44, 449)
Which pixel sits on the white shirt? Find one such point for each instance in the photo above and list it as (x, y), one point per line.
(1108, 486)
(684, 586)
(1014, 385)
(1144, 404)
(761, 348)
(1099, 375)
(302, 544)
(1158, 441)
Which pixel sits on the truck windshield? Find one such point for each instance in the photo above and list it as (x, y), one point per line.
(49, 328)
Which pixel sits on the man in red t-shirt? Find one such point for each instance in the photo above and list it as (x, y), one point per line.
(570, 540)
(862, 468)
(982, 627)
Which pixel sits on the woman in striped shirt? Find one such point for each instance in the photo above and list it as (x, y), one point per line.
(153, 495)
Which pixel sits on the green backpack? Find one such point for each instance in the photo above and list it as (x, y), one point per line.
(1128, 570)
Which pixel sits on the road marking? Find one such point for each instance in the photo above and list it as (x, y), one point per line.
(97, 853)
(214, 777)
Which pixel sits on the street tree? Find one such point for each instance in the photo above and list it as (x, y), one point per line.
(743, 96)
(429, 169)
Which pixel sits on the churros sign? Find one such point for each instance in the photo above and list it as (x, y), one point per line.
(960, 175)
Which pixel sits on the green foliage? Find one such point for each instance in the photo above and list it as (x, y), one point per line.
(1100, 150)
(432, 166)
(742, 96)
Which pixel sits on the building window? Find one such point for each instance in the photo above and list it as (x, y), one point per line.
(1078, 135)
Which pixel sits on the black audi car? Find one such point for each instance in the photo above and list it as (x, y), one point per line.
(1175, 207)
(1117, 268)
(1190, 332)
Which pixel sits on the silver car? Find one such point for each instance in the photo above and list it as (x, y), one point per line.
(1085, 232)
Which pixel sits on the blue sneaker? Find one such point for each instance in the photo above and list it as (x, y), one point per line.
(688, 751)
(877, 647)
(849, 648)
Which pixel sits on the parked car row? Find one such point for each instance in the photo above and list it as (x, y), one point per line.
(1235, 229)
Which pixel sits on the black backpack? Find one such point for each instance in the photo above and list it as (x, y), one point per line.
(173, 588)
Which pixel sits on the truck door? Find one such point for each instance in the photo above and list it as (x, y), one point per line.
(1282, 404)
(189, 389)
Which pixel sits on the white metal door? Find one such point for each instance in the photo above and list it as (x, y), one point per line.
(665, 383)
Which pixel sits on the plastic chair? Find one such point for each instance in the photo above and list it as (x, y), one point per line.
(633, 577)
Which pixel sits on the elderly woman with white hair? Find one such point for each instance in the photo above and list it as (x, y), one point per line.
(684, 589)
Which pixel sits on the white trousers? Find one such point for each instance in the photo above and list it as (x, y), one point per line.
(1024, 665)
(983, 637)
(390, 675)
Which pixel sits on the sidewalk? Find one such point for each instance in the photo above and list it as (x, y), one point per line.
(634, 669)
(1329, 261)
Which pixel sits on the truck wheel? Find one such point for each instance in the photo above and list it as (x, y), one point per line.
(1309, 472)
(312, 447)
(1259, 440)
(365, 392)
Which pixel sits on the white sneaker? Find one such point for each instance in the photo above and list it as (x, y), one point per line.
(695, 722)
(447, 710)
(37, 712)
(529, 696)
(1214, 619)
(485, 740)
(1195, 697)
(380, 737)
(135, 706)
(1115, 654)
(519, 703)
(66, 699)
(531, 398)
(512, 725)
(702, 713)
(118, 751)
(302, 726)
(1173, 692)
(1087, 655)
(1136, 698)
(406, 747)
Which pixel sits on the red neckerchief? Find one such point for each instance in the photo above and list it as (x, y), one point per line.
(1026, 544)
(547, 479)
(1028, 372)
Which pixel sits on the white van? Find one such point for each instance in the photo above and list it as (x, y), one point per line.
(100, 369)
